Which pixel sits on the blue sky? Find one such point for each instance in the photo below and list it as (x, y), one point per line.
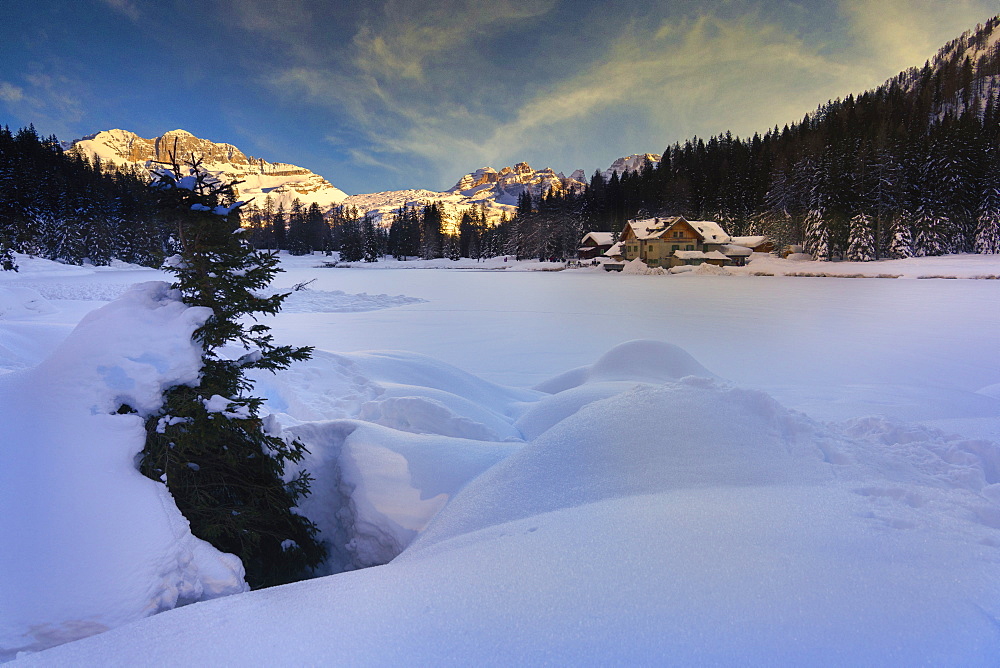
(391, 94)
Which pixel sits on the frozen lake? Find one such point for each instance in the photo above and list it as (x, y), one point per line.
(914, 349)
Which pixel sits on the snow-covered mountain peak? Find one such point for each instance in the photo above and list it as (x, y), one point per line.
(631, 163)
(282, 182)
(506, 185)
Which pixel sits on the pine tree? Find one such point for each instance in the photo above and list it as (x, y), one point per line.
(861, 247)
(901, 240)
(209, 444)
(352, 236)
(987, 238)
(7, 262)
(817, 235)
(372, 247)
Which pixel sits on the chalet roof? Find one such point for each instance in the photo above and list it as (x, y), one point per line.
(598, 238)
(654, 228)
(614, 250)
(690, 255)
(710, 231)
(716, 255)
(737, 250)
(749, 242)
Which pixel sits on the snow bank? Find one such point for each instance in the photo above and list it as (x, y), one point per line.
(637, 267)
(391, 437)
(671, 518)
(94, 544)
(964, 265)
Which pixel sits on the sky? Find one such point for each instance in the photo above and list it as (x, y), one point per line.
(393, 94)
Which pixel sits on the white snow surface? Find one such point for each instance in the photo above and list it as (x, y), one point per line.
(735, 470)
(89, 542)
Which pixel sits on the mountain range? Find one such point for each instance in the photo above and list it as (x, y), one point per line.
(496, 191)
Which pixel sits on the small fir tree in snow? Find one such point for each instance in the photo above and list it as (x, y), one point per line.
(372, 247)
(7, 262)
(209, 444)
(817, 235)
(988, 221)
(930, 237)
(861, 247)
(901, 241)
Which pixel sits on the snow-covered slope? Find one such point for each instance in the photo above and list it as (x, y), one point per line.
(283, 182)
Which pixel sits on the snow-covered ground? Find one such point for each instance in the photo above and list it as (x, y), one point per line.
(571, 467)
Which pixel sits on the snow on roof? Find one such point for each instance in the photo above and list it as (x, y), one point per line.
(715, 255)
(690, 255)
(598, 238)
(652, 228)
(735, 250)
(614, 250)
(749, 242)
(710, 231)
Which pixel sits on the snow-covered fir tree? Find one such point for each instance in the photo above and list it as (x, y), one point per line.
(371, 239)
(929, 236)
(988, 220)
(861, 246)
(900, 239)
(209, 444)
(817, 235)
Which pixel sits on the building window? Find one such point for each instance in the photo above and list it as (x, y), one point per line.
(689, 247)
(675, 247)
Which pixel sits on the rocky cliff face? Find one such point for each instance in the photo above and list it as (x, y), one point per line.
(282, 182)
(505, 186)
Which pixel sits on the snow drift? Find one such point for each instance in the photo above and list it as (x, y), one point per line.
(663, 516)
(91, 544)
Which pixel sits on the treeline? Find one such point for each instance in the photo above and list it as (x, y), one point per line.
(544, 229)
(61, 206)
(911, 168)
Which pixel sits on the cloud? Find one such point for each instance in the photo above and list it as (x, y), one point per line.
(905, 33)
(436, 87)
(676, 79)
(410, 33)
(44, 99)
(126, 7)
(10, 93)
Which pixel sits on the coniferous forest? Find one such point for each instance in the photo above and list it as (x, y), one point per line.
(910, 168)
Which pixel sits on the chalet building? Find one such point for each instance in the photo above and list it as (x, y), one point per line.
(595, 244)
(674, 241)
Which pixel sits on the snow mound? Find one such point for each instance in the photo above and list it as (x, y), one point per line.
(637, 267)
(708, 269)
(377, 488)
(18, 302)
(409, 432)
(94, 544)
(640, 360)
(690, 433)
